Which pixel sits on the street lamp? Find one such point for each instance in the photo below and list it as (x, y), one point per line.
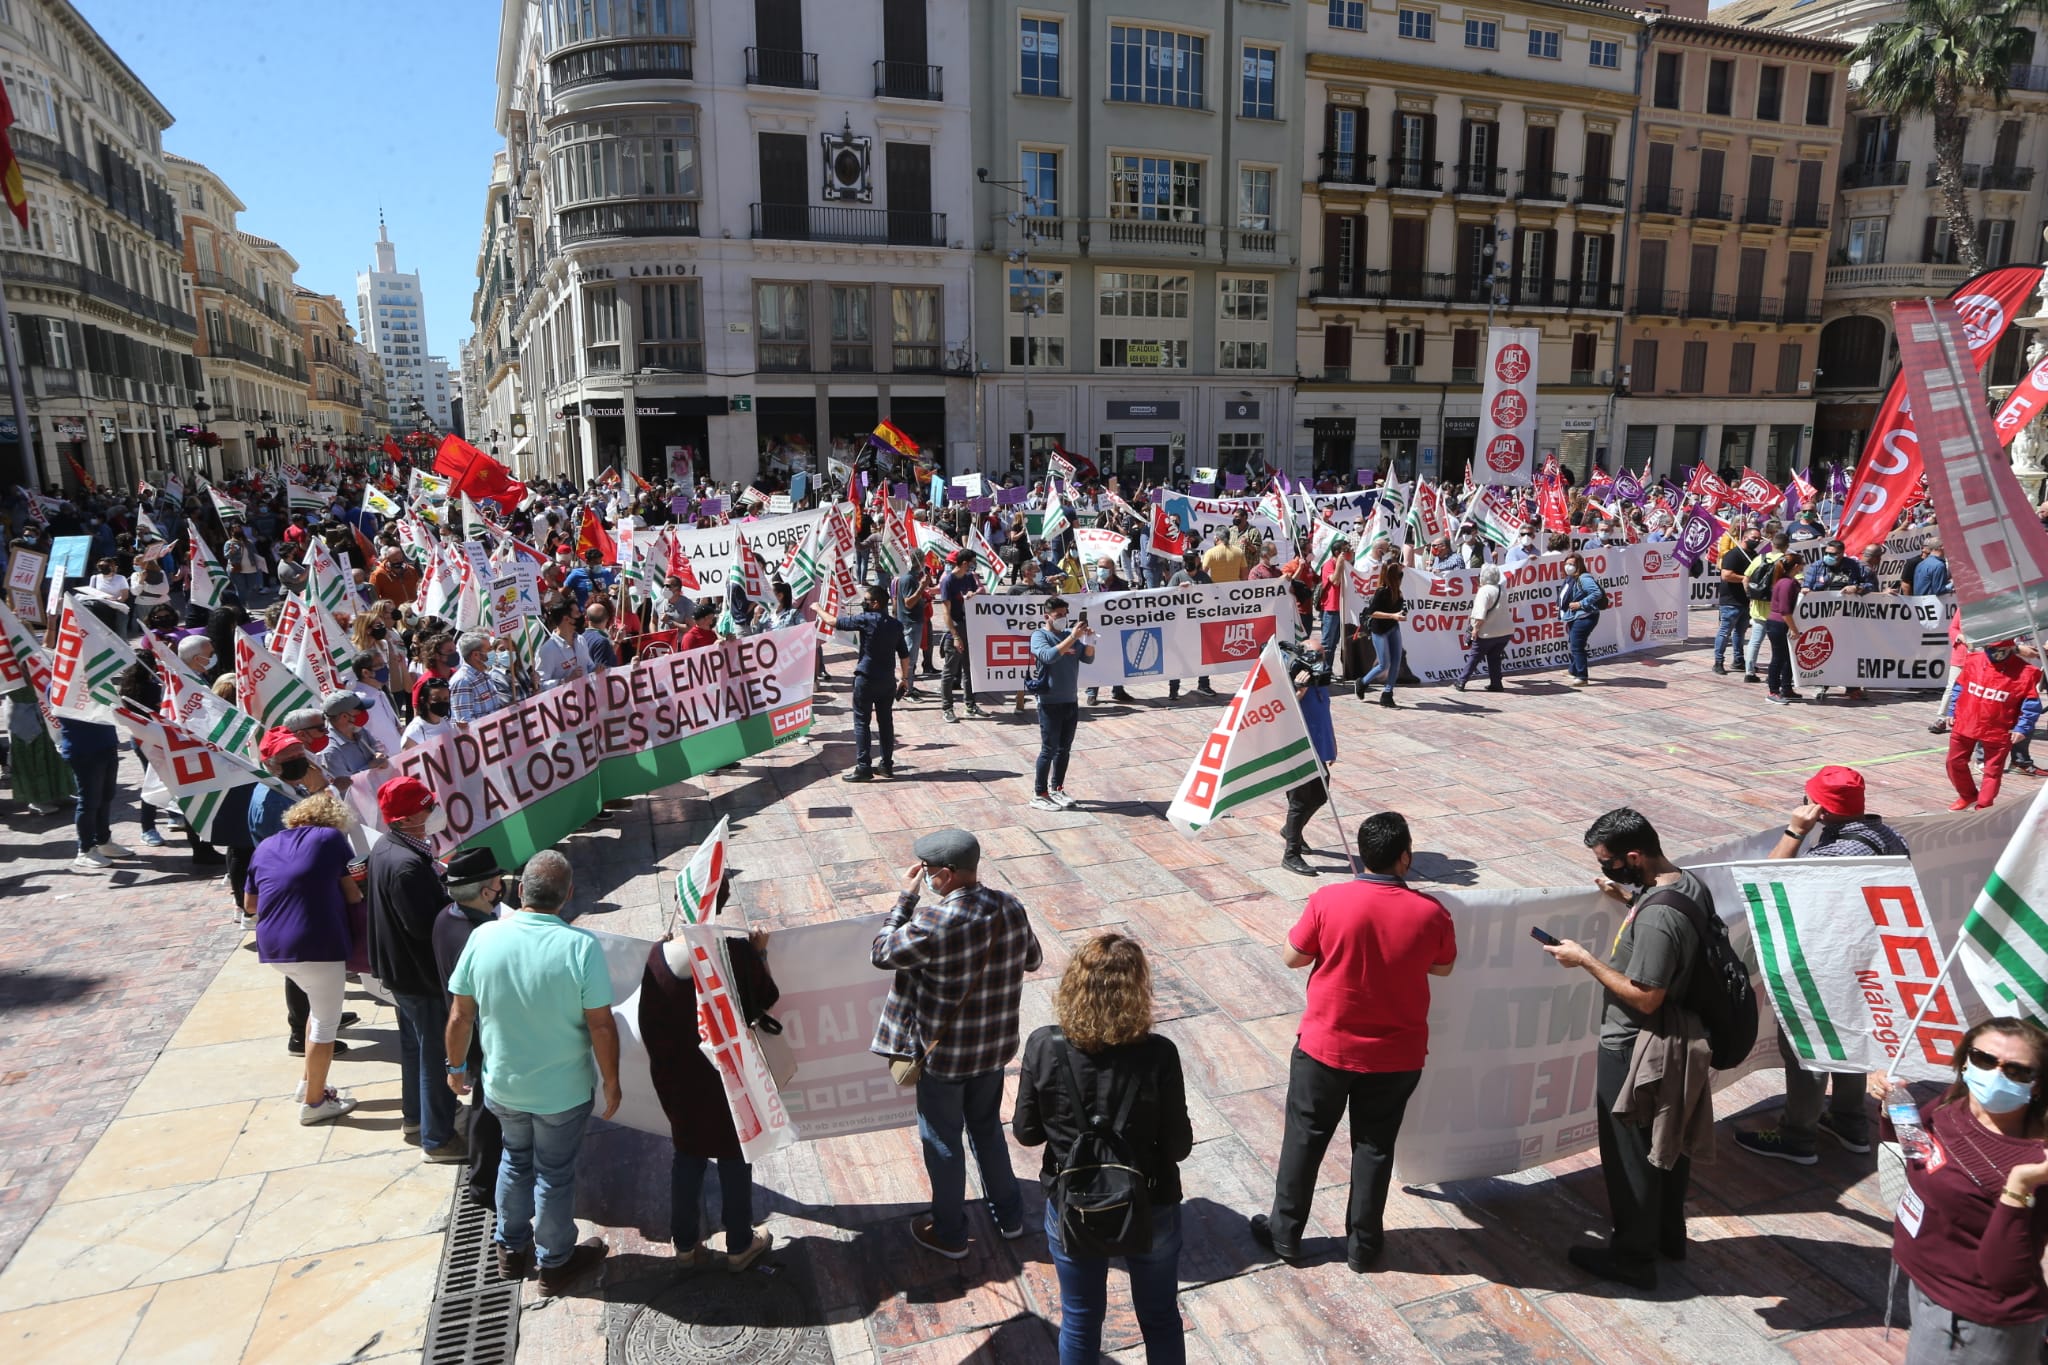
(1024, 221)
(201, 407)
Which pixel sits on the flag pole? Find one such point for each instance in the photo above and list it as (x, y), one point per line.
(1330, 800)
(1947, 965)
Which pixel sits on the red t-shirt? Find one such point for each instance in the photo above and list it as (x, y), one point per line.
(1991, 695)
(1374, 941)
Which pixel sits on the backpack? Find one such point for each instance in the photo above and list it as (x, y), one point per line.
(1757, 586)
(1721, 992)
(1101, 1199)
(1596, 599)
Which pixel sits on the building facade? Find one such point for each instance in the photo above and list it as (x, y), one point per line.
(102, 319)
(1737, 151)
(738, 235)
(1889, 240)
(1148, 277)
(1463, 166)
(337, 410)
(440, 393)
(391, 319)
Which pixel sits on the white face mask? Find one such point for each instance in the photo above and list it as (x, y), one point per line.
(929, 889)
(437, 821)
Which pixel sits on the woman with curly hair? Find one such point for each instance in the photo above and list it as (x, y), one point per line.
(374, 633)
(299, 889)
(1104, 1048)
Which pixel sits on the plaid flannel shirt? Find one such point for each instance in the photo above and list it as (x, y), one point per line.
(977, 937)
(472, 695)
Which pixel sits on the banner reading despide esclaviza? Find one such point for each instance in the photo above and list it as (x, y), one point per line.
(523, 778)
(1154, 635)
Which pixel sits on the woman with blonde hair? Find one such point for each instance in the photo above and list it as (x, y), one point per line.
(299, 889)
(1104, 1053)
(374, 633)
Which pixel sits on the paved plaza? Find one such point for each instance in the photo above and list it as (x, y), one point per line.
(159, 1202)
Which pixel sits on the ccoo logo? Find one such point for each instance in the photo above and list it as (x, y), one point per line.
(1816, 644)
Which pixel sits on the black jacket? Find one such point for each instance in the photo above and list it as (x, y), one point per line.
(452, 928)
(405, 895)
(1158, 1132)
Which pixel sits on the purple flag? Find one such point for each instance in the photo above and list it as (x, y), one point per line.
(979, 505)
(1010, 497)
(1629, 487)
(1286, 486)
(1366, 477)
(1700, 530)
(1203, 490)
(1838, 483)
(1155, 495)
(710, 507)
(1233, 483)
(901, 492)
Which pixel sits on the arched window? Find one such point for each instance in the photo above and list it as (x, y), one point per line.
(1852, 353)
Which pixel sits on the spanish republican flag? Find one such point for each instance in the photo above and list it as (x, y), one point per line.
(898, 440)
(591, 535)
(10, 165)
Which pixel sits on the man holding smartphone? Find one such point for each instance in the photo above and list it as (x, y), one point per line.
(1059, 654)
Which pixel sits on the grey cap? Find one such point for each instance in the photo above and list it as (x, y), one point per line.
(340, 704)
(949, 848)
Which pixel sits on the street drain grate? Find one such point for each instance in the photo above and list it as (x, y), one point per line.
(475, 1319)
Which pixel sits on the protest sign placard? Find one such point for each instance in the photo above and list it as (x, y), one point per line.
(505, 608)
(1092, 543)
(714, 550)
(523, 778)
(1871, 640)
(25, 570)
(1148, 636)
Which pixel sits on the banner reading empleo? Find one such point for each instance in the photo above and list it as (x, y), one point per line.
(523, 778)
(1154, 635)
(1871, 640)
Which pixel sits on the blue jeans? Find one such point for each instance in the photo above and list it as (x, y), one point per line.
(1728, 636)
(539, 1169)
(943, 1109)
(1056, 722)
(735, 1200)
(98, 776)
(874, 708)
(1333, 634)
(1754, 650)
(1155, 1286)
(423, 1066)
(1386, 668)
(1576, 632)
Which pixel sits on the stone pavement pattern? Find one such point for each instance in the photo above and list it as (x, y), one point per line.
(207, 1226)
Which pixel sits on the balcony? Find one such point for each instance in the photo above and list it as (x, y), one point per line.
(857, 227)
(1870, 175)
(1665, 200)
(906, 81)
(1903, 278)
(1799, 310)
(680, 357)
(1700, 305)
(1406, 173)
(628, 218)
(1756, 308)
(1148, 236)
(1490, 181)
(2028, 78)
(1408, 286)
(1760, 212)
(26, 267)
(1257, 244)
(1811, 217)
(1533, 293)
(1602, 192)
(1713, 208)
(774, 66)
(619, 62)
(1977, 176)
(1656, 303)
(1543, 187)
(1347, 168)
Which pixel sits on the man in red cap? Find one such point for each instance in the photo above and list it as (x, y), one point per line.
(1994, 688)
(405, 895)
(1834, 806)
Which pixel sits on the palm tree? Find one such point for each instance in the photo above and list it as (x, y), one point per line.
(1933, 60)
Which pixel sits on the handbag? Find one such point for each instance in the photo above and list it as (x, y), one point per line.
(908, 1071)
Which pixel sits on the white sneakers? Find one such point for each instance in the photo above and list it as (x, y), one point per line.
(90, 860)
(114, 850)
(331, 1107)
(1044, 803)
(1062, 800)
(1055, 799)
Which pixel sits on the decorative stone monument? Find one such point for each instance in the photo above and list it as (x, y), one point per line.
(2030, 447)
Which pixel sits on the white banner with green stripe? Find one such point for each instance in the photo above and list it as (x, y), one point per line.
(1848, 953)
(2005, 935)
(1260, 747)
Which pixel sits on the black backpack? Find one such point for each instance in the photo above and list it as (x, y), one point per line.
(1756, 586)
(1100, 1197)
(1721, 993)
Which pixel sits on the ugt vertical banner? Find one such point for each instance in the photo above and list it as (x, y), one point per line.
(1507, 407)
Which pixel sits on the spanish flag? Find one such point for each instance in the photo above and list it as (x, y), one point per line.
(10, 165)
(897, 439)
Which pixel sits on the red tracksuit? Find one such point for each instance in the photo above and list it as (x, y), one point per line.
(1987, 707)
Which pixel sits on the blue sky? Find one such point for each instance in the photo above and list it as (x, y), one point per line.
(316, 113)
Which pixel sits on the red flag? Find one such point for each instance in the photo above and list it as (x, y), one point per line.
(750, 569)
(1167, 540)
(1754, 490)
(679, 566)
(592, 536)
(10, 165)
(641, 484)
(1552, 507)
(1890, 466)
(2024, 403)
(79, 470)
(392, 451)
(469, 470)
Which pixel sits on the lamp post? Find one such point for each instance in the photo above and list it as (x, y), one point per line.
(201, 407)
(1020, 259)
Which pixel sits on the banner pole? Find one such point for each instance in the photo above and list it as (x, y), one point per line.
(1330, 800)
(1947, 965)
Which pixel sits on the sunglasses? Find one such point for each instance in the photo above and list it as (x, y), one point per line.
(2018, 1072)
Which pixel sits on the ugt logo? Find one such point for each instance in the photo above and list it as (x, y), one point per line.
(1229, 642)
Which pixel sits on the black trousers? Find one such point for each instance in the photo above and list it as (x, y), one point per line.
(1302, 802)
(1317, 1096)
(486, 1144)
(1646, 1204)
(956, 674)
(874, 713)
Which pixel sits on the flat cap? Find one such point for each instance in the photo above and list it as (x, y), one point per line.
(341, 704)
(951, 848)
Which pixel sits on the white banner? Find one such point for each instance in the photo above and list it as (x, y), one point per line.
(1848, 956)
(1507, 408)
(1092, 544)
(1153, 635)
(1645, 610)
(714, 550)
(1871, 640)
(1207, 516)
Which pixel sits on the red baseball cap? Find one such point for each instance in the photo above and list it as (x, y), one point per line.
(276, 740)
(402, 798)
(1836, 790)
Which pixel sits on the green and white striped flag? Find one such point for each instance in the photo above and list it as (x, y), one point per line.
(185, 769)
(225, 507)
(697, 884)
(803, 566)
(2005, 935)
(300, 498)
(209, 580)
(264, 687)
(1322, 540)
(189, 702)
(1055, 523)
(326, 581)
(1259, 747)
(84, 667)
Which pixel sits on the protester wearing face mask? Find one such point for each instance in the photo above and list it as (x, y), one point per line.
(1738, 552)
(406, 896)
(1969, 1233)
(430, 719)
(1523, 550)
(284, 755)
(350, 749)
(1995, 687)
(472, 691)
(476, 888)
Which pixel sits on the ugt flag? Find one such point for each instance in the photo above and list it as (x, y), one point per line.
(1261, 745)
(2005, 935)
(1848, 956)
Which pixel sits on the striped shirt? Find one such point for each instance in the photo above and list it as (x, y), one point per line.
(472, 694)
(960, 966)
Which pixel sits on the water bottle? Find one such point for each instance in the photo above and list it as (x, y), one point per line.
(1900, 1108)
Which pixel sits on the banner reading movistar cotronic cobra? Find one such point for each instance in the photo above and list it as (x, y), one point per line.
(522, 779)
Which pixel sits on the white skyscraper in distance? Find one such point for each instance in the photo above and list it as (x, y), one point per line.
(392, 322)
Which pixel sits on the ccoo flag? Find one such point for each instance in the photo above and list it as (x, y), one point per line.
(1260, 745)
(697, 884)
(86, 666)
(2005, 935)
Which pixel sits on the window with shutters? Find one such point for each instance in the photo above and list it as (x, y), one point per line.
(1820, 98)
(1720, 86)
(59, 349)
(1535, 271)
(1417, 24)
(1789, 353)
(1692, 368)
(1465, 355)
(1741, 365)
(2005, 152)
(1852, 351)
(1404, 352)
(1670, 68)
(1994, 241)
(1642, 366)
(1585, 355)
(1343, 253)
(1770, 92)
(1936, 246)
(1336, 352)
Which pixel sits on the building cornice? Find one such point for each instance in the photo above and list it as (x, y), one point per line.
(1406, 75)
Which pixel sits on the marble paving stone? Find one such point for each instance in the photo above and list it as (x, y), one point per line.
(95, 1328)
(1489, 1322)
(98, 1245)
(158, 1151)
(1179, 920)
(201, 1321)
(345, 1304)
(307, 1209)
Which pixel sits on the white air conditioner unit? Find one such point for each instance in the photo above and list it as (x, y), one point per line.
(1806, 386)
(1606, 376)
(848, 163)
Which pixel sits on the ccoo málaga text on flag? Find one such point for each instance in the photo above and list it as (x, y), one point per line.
(1260, 746)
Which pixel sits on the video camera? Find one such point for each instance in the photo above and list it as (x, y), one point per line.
(1307, 665)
